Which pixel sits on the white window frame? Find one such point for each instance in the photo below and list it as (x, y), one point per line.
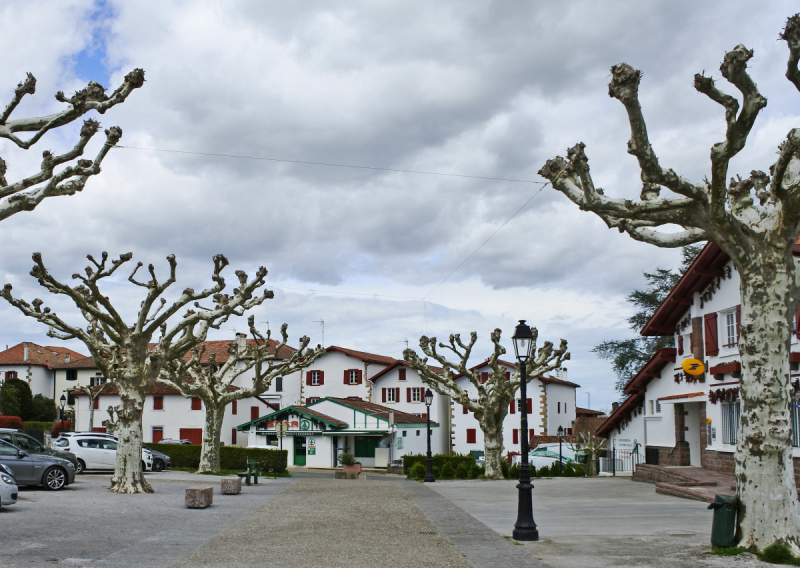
(416, 394)
(794, 412)
(658, 406)
(314, 378)
(353, 376)
(391, 395)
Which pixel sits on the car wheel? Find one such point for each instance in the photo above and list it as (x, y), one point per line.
(54, 478)
(158, 465)
(81, 467)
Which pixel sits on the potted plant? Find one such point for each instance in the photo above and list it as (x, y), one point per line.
(349, 462)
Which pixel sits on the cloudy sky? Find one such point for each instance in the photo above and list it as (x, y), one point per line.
(488, 89)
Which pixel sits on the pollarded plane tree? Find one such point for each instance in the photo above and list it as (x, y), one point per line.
(18, 196)
(495, 395)
(213, 380)
(127, 354)
(93, 392)
(756, 221)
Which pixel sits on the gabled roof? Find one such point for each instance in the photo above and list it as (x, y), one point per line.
(555, 381)
(158, 389)
(302, 410)
(366, 357)
(586, 412)
(376, 410)
(399, 363)
(544, 379)
(82, 363)
(37, 355)
(622, 411)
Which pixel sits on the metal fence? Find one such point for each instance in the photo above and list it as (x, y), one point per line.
(620, 460)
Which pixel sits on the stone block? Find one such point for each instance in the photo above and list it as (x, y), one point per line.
(231, 485)
(346, 475)
(199, 496)
(395, 469)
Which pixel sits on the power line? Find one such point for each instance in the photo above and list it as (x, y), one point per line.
(331, 165)
(346, 293)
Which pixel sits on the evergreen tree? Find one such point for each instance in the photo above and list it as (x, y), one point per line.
(16, 399)
(627, 356)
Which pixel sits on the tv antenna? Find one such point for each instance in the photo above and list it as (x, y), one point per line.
(404, 340)
(321, 322)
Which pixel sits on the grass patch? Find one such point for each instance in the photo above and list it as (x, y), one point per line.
(506, 536)
(776, 553)
(517, 543)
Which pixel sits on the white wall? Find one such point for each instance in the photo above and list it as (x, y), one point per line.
(334, 364)
(560, 406)
(39, 377)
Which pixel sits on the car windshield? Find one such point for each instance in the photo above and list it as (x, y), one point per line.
(7, 449)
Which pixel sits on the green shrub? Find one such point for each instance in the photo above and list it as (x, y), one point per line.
(447, 471)
(462, 471)
(504, 468)
(43, 409)
(474, 471)
(417, 471)
(230, 457)
(438, 460)
(513, 472)
(777, 553)
(32, 426)
(346, 459)
(543, 471)
(436, 472)
(16, 399)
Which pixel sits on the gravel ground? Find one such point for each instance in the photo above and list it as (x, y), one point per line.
(326, 523)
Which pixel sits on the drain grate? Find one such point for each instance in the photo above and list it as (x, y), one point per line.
(429, 533)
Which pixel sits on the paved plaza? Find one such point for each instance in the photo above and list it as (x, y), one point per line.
(312, 520)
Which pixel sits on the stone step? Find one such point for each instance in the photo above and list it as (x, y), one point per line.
(696, 493)
(659, 474)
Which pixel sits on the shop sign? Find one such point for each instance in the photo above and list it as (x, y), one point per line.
(311, 446)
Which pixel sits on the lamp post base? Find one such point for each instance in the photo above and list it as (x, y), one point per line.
(530, 535)
(429, 478)
(525, 527)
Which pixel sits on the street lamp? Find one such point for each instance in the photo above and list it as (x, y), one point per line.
(525, 527)
(429, 460)
(63, 401)
(560, 463)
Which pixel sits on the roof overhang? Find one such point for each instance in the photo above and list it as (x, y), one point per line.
(651, 370)
(675, 398)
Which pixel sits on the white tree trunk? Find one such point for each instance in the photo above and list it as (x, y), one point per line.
(91, 414)
(209, 455)
(764, 469)
(128, 475)
(493, 447)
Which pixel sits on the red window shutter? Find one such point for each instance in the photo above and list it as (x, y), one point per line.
(680, 345)
(196, 404)
(797, 321)
(465, 409)
(233, 437)
(424, 416)
(408, 394)
(484, 377)
(97, 403)
(559, 408)
(508, 376)
(738, 320)
(360, 376)
(383, 394)
(397, 394)
(347, 377)
(308, 378)
(530, 407)
(401, 374)
(569, 431)
(234, 408)
(712, 345)
(515, 436)
(470, 435)
(158, 403)
(512, 408)
(322, 377)
(253, 413)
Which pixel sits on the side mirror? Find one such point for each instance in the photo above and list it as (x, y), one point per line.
(22, 454)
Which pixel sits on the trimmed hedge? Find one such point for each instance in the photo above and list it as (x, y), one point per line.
(11, 422)
(439, 460)
(230, 457)
(61, 426)
(34, 426)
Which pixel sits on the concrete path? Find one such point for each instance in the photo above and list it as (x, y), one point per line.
(326, 523)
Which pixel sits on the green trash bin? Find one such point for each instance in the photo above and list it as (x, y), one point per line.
(723, 527)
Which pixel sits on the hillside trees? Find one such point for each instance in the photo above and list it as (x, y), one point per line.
(495, 395)
(755, 220)
(212, 379)
(127, 353)
(18, 196)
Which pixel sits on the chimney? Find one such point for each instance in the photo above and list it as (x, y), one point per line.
(614, 406)
(241, 342)
(562, 373)
(66, 358)
(25, 355)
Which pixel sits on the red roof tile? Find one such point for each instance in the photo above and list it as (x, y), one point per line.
(437, 370)
(37, 355)
(579, 412)
(378, 410)
(366, 357)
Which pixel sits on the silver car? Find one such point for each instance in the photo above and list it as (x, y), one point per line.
(36, 469)
(8, 486)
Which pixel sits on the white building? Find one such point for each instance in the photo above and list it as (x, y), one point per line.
(318, 433)
(341, 373)
(550, 404)
(677, 419)
(35, 364)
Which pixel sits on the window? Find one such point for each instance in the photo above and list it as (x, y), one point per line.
(401, 374)
(158, 434)
(559, 408)
(158, 403)
(234, 407)
(311, 399)
(196, 405)
(416, 394)
(315, 378)
(96, 404)
(731, 411)
(390, 395)
(405, 433)
(652, 407)
(471, 435)
(417, 432)
(253, 413)
(795, 413)
(658, 407)
(353, 376)
(519, 405)
(72, 374)
(278, 385)
(730, 329)
(12, 374)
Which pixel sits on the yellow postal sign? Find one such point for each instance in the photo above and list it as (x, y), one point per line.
(693, 366)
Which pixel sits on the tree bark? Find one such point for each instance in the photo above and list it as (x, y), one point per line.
(492, 428)
(128, 475)
(765, 480)
(209, 455)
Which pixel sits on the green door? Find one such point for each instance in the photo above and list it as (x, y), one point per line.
(299, 450)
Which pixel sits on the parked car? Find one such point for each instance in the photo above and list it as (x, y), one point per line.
(34, 446)
(566, 450)
(8, 486)
(61, 441)
(161, 461)
(98, 452)
(36, 469)
(173, 441)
